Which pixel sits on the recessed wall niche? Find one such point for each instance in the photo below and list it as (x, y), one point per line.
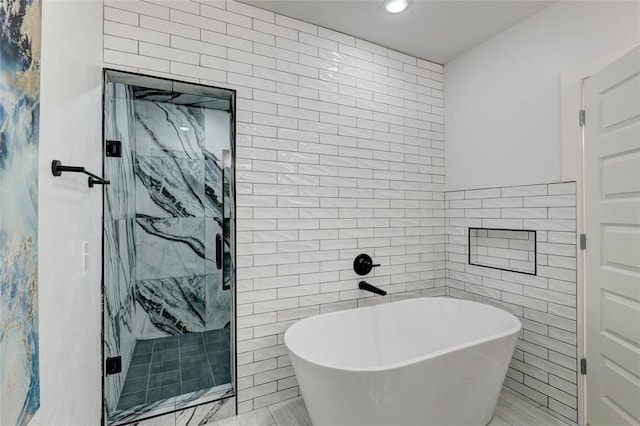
(506, 249)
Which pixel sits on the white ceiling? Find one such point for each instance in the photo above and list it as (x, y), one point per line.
(433, 30)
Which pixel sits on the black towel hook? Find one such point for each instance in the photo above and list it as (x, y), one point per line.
(57, 168)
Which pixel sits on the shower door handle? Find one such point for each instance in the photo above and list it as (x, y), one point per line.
(219, 251)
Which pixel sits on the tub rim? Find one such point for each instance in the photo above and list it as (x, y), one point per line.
(511, 331)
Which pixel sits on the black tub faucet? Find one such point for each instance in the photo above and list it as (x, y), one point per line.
(362, 265)
(363, 285)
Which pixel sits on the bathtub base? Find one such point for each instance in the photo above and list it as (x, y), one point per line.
(417, 362)
(454, 390)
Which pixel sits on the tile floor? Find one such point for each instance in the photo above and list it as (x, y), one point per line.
(511, 410)
(171, 366)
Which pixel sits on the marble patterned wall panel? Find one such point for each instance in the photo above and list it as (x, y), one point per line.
(119, 332)
(218, 303)
(218, 300)
(169, 186)
(170, 183)
(217, 126)
(174, 305)
(169, 247)
(145, 328)
(206, 413)
(20, 22)
(164, 129)
(213, 186)
(119, 261)
(217, 138)
(119, 125)
(202, 407)
(176, 178)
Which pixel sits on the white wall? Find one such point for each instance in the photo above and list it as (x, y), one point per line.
(503, 97)
(339, 151)
(70, 130)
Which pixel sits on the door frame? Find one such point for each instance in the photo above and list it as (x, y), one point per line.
(572, 145)
(233, 194)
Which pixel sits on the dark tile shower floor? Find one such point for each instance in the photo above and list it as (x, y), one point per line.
(175, 365)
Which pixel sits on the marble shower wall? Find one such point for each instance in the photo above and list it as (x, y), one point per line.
(119, 248)
(178, 183)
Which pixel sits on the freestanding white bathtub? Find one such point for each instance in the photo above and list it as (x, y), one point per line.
(427, 361)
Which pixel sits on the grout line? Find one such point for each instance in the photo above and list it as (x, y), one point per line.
(213, 379)
(146, 390)
(180, 365)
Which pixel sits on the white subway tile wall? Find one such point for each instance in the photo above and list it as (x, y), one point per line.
(340, 151)
(544, 365)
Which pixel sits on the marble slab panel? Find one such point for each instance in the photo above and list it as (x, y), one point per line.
(164, 129)
(174, 305)
(169, 247)
(145, 328)
(217, 131)
(118, 89)
(119, 125)
(213, 186)
(119, 314)
(185, 99)
(218, 303)
(180, 409)
(119, 248)
(169, 186)
(206, 413)
(149, 411)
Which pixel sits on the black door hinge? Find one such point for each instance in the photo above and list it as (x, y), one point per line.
(113, 148)
(113, 365)
(583, 241)
(583, 366)
(582, 117)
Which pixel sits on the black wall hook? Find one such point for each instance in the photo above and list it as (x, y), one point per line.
(57, 168)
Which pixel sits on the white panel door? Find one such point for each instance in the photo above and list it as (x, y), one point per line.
(612, 214)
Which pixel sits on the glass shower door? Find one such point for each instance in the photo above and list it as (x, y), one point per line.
(169, 281)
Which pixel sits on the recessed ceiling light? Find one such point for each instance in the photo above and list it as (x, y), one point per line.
(395, 6)
(184, 129)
